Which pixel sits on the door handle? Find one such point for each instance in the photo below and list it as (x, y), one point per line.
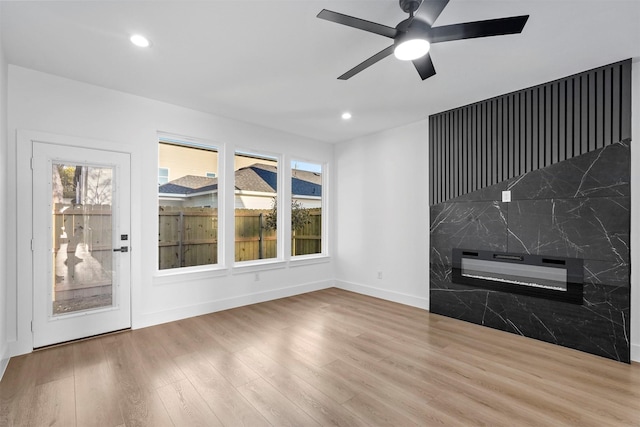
(122, 249)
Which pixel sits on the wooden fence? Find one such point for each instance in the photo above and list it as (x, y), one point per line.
(189, 236)
(84, 224)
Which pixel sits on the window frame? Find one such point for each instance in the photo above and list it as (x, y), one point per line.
(266, 263)
(323, 255)
(166, 276)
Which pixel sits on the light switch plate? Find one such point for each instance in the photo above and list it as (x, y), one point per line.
(506, 196)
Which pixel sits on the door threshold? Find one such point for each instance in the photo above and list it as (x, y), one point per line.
(45, 347)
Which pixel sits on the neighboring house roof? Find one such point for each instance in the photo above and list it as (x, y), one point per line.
(305, 183)
(189, 184)
(257, 177)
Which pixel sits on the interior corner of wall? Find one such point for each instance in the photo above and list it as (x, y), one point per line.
(4, 359)
(635, 352)
(385, 294)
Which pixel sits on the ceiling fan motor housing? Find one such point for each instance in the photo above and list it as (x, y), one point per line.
(410, 6)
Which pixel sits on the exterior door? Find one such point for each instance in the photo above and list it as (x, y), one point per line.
(81, 263)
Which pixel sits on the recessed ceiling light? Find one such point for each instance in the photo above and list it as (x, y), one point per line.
(346, 116)
(140, 41)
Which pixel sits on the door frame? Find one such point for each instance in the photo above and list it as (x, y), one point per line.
(24, 221)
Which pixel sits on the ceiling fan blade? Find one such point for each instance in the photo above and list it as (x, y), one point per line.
(358, 23)
(470, 30)
(425, 67)
(430, 10)
(367, 63)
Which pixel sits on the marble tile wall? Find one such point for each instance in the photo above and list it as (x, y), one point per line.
(576, 208)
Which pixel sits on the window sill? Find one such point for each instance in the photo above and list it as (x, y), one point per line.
(302, 260)
(187, 274)
(244, 267)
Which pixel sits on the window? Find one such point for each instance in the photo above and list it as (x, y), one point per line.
(188, 205)
(163, 175)
(256, 191)
(306, 208)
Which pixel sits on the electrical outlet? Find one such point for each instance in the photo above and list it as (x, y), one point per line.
(506, 196)
(257, 277)
(379, 274)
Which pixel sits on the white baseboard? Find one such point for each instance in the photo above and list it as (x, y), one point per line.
(635, 352)
(156, 318)
(406, 299)
(4, 359)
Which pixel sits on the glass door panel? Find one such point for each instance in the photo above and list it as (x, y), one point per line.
(82, 238)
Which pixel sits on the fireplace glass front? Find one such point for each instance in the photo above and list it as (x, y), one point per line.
(540, 276)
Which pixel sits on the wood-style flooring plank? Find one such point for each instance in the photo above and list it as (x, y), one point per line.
(316, 404)
(55, 403)
(96, 391)
(231, 408)
(61, 357)
(186, 407)
(276, 408)
(140, 404)
(323, 380)
(329, 357)
(156, 362)
(17, 390)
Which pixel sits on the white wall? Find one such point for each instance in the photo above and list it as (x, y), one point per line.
(382, 215)
(4, 349)
(382, 205)
(46, 103)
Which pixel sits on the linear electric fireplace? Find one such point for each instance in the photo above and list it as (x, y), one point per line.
(555, 278)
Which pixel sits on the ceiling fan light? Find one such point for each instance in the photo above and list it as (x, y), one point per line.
(411, 49)
(139, 40)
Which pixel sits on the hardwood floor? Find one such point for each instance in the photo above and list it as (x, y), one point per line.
(327, 358)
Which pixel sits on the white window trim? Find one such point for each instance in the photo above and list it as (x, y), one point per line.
(166, 276)
(187, 274)
(269, 263)
(324, 255)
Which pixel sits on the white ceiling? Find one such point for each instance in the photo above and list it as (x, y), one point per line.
(275, 64)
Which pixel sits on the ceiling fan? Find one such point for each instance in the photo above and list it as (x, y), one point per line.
(413, 36)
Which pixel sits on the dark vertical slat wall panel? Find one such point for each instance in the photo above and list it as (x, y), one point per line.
(600, 109)
(433, 159)
(528, 145)
(569, 118)
(591, 121)
(547, 127)
(461, 149)
(480, 120)
(523, 132)
(577, 116)
(513, 139)
(625, 102)
(437, 161)
(561, 121)
(474, 147)
(461, 154)
(616, 104)
(507, 135)
(535, 137)
(555, 118)
(607, 104)
(481, 144)
(494, 138)
(584, 114)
